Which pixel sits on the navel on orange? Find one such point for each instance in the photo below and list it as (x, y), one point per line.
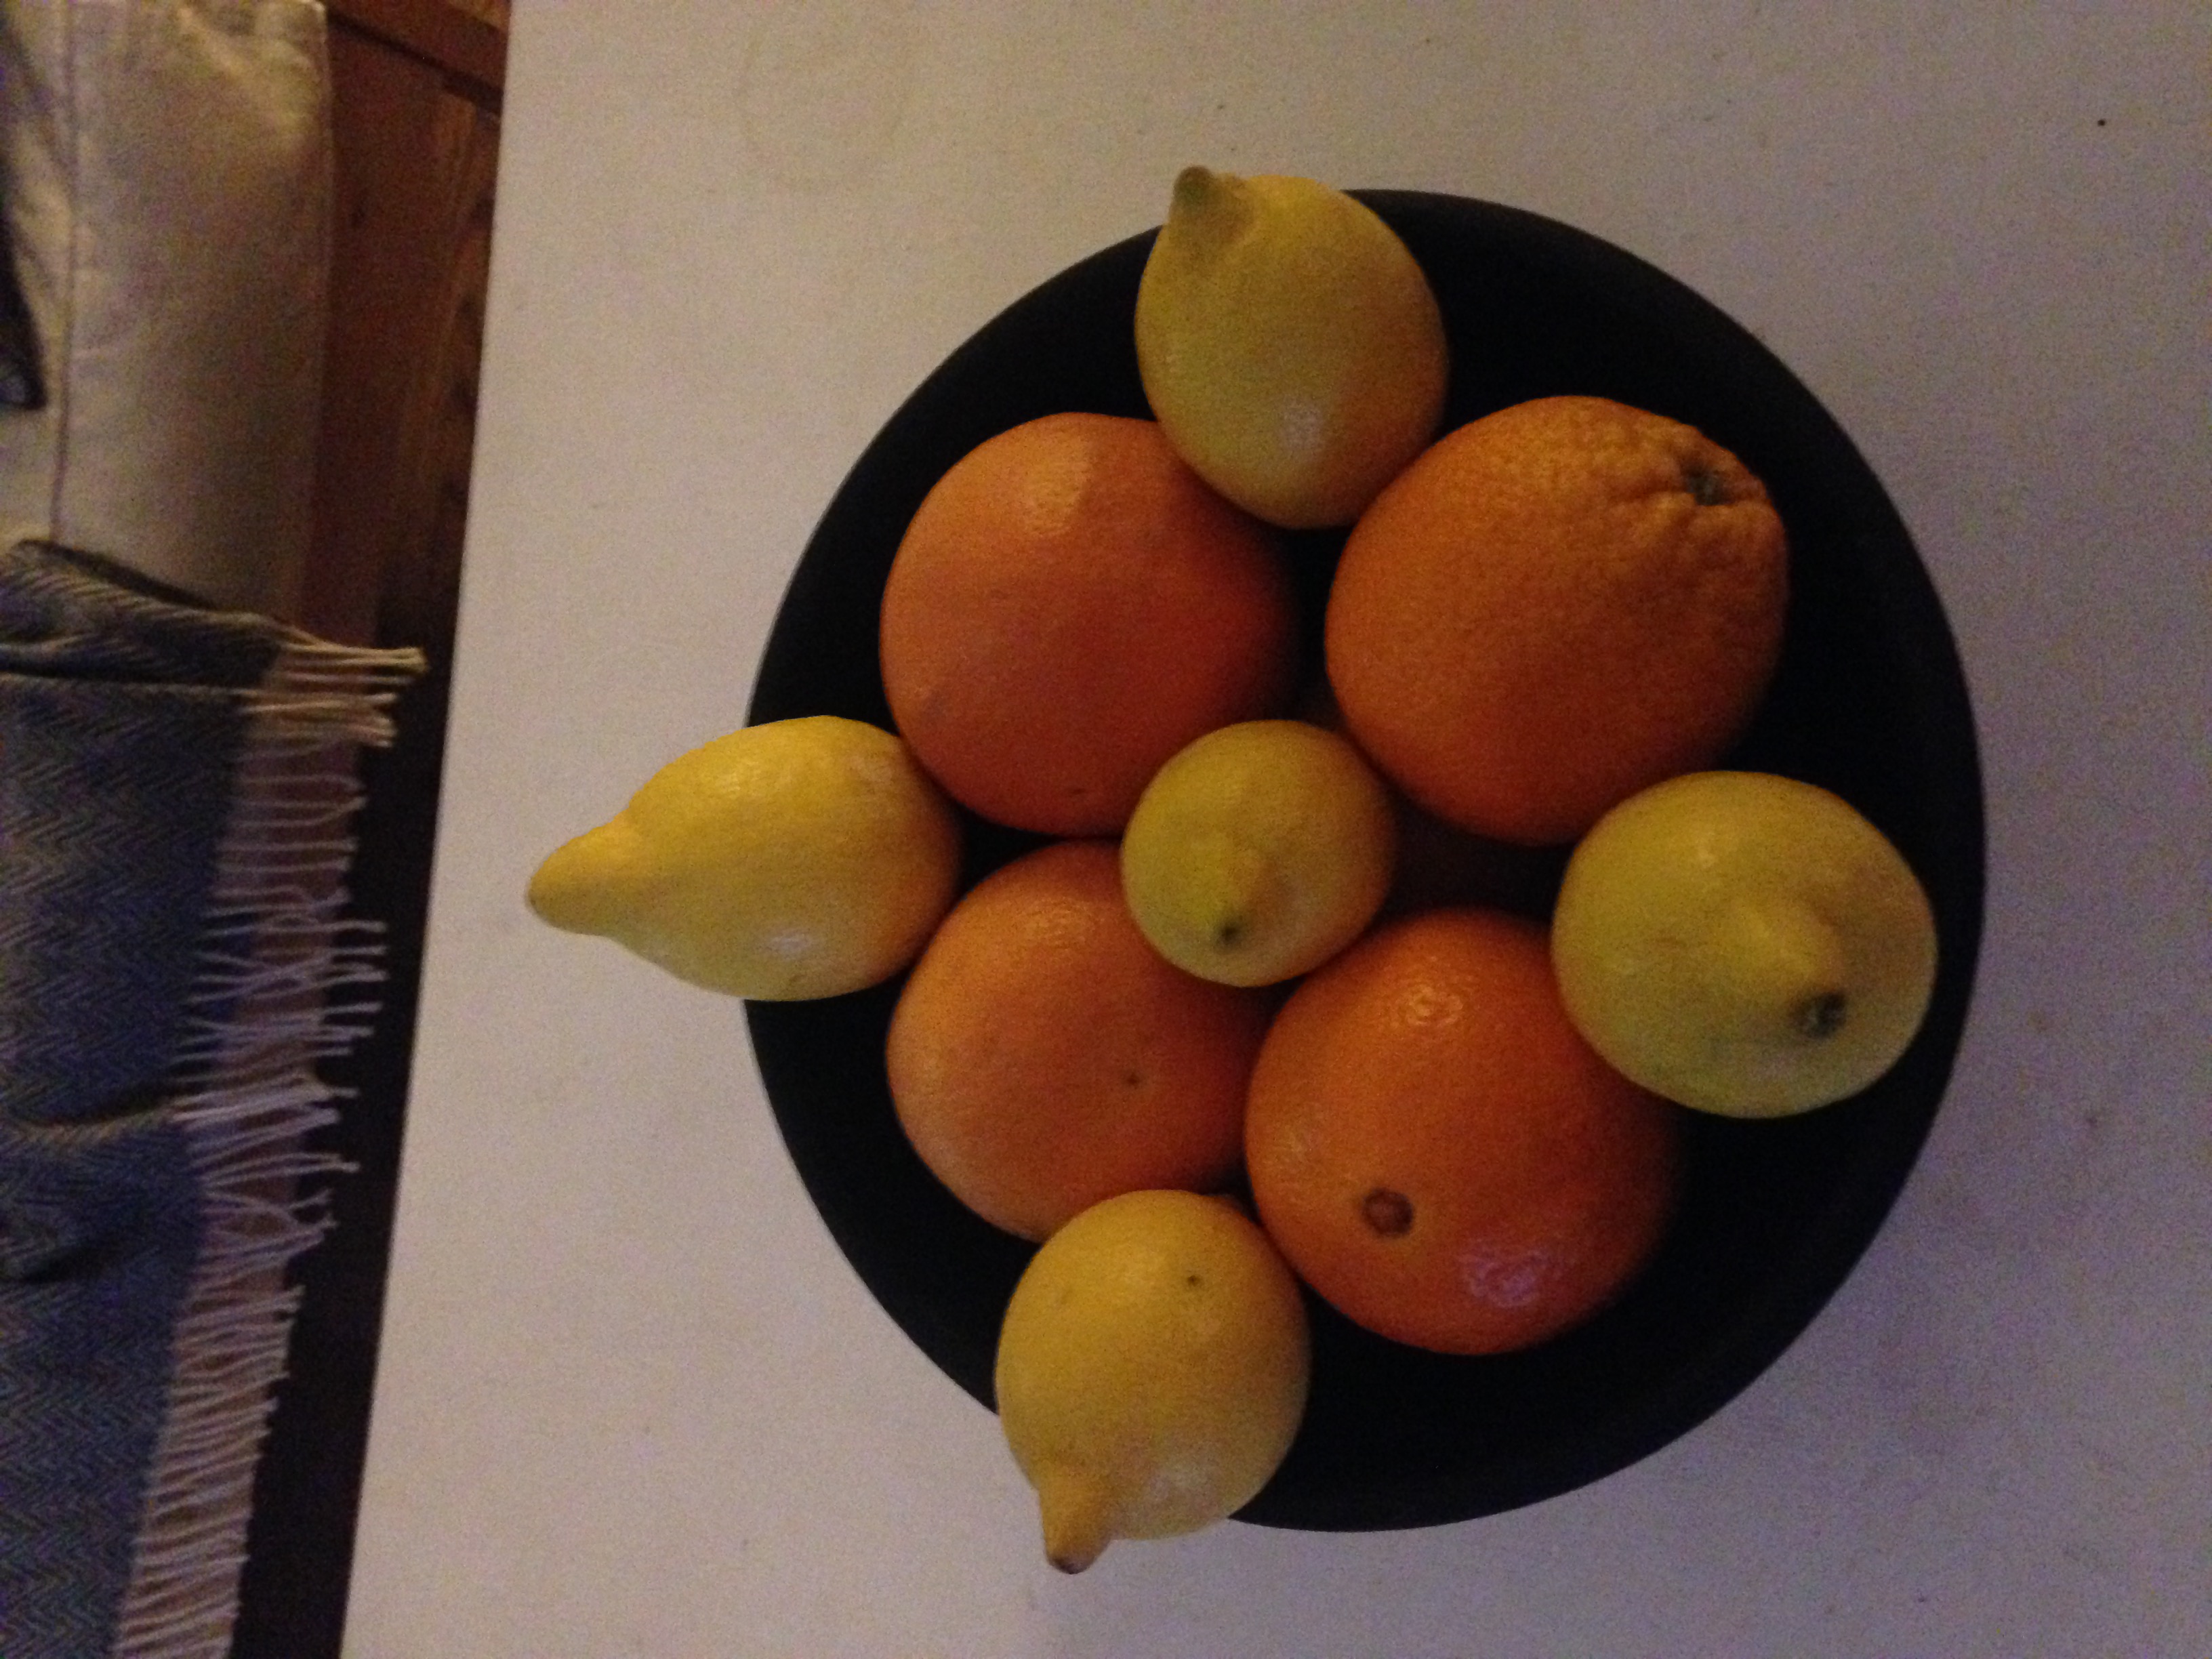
(1439, 1155)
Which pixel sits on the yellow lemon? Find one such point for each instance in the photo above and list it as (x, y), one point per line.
(1744, 944)
(1290, 346)
(801, 858)
(1152, 1370)
(1258, 852)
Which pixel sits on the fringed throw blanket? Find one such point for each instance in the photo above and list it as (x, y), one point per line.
(176, 790)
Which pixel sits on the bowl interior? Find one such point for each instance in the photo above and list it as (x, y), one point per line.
(1869, 701)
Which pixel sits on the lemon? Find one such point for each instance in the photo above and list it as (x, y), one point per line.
(801, 858)
(1152, 1370)
(1258, 852)
(1290, 346)
(1744, 944)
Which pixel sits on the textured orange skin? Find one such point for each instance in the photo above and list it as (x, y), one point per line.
(1539, 617)
(1043, 1056)
(1069, 607)
(1431, 1067)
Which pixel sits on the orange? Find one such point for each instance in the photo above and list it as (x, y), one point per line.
(1439, 1155)
(1069, 606)
(1553, 607)
(1439, 863)
(1043, 1057)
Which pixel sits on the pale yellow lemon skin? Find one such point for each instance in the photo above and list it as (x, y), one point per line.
(1743, 944)
(1259, 851)
(1152, 1371)
(798, 859)
(1289, 344)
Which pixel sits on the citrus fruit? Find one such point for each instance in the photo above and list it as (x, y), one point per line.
(1152, 1370)
(1043, 1056)
(801, 858)
(1744, 944)
(1437, 863)
(1289, 344)
(1436, 1151)
(1259, 852)
(1068, 607)
(1552, 607)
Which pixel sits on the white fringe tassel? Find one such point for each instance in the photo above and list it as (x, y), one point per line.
(283, 981)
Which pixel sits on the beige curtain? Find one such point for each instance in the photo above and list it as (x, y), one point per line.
(167, 174)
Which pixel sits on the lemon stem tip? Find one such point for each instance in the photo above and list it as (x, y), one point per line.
(1822, 1014)
(1195, 186)
(1213, 204)
(1078, 1519)
(584, 886)
(1788, 957)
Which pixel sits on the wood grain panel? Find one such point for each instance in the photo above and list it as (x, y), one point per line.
(416, 165)
(497, 13)
(467, 39)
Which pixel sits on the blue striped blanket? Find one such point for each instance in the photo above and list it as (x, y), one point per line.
(176, 792)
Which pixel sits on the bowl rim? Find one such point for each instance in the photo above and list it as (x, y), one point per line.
(823, 1092)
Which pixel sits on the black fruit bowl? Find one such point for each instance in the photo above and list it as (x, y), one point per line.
(1869, 702)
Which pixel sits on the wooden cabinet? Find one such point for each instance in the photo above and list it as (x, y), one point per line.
(416, 93)
(418, 145)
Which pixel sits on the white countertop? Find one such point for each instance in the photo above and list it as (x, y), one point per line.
(633, 1403)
